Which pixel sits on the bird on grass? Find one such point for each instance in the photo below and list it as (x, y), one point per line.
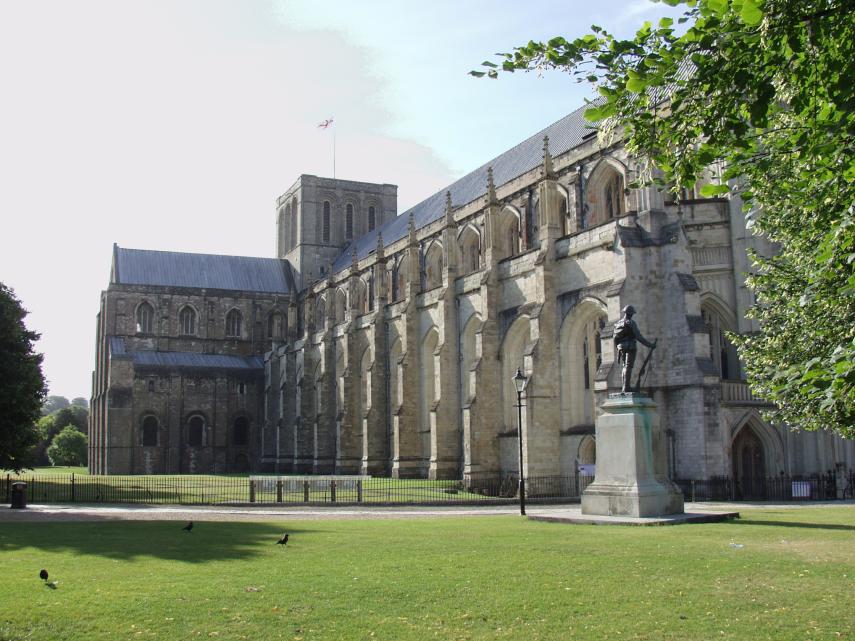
(188, 527)
(43, 575)
(283, 540)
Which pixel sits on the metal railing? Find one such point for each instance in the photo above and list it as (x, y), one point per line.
(308, 490)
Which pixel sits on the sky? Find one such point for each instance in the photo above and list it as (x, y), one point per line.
(175, 124)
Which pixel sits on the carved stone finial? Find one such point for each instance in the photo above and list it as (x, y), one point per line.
(354, 260)
(449, 218)
(379, 252)
(411, 229)
(548, 169)
(491, 188)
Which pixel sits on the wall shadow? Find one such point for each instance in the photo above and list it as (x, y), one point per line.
(798, 524)
(127, 540)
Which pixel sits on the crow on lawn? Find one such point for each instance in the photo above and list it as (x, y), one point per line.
(188, 527)
(43, 575)
(283, 540)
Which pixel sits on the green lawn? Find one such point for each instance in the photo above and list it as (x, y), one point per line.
(447, 578)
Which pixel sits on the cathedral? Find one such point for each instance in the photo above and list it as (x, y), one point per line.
(386, 344)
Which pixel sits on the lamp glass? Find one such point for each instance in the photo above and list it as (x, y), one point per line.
(520, 380)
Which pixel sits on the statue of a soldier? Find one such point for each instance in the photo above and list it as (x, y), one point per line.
(626, 334)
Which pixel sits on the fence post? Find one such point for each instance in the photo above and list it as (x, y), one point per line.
(72, 487)
(278, 490)
(251, 491)
(306, 491)
(693, 490)
(359, 491)
(8, 488)
(332, 490)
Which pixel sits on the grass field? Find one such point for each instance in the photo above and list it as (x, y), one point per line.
(447, 578)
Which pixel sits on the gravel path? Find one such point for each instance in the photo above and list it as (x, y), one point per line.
(77, 512)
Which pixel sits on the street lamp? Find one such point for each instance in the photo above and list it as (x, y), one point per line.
(520, 381)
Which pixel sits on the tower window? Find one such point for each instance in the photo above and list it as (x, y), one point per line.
(348, 222)
(145, 319)
(371, 218)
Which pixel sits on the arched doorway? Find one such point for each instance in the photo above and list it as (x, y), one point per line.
(749, 464)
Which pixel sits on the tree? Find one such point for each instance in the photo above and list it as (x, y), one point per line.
(68, 447)
(763, 91)
(22, 385)
(54, 403)
(49, 426)
(79, 401)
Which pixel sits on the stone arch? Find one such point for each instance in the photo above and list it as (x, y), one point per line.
(234, 323)
(359, 292)
(509, 231)
(587, 453)
(468, 357)
(241, 465)
(282, 223)
(294, 228)
(515, 346)
(719, 321)
(340, 379)
(580, 354)
(366, 362)
(606, 192)
(756, 453)
(196, 430)
(433, 265)
(321, 313)
(399, 283)
(276, 324)
(469, 240)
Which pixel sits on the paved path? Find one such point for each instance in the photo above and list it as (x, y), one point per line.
(78, 512)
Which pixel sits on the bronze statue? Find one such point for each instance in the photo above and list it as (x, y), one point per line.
(625, 336)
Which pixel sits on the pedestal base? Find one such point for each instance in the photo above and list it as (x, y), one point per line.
(626, 483)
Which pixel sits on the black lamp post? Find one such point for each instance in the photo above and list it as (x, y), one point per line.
(520, 381)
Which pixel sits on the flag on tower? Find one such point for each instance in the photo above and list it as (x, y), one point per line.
(326, 123)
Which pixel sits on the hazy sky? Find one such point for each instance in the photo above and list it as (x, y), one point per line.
(174, 124)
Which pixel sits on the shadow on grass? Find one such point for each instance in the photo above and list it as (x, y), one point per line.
(127, 540)
(815, 526)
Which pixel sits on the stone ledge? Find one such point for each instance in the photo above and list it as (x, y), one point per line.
(574, 515)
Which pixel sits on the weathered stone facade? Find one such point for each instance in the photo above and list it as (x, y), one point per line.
(404, 332)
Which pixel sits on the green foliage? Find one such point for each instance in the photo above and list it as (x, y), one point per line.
(762, 91)
(68, 447)
(49, 426)
(477, 578)
(22, 386)
(54, 403)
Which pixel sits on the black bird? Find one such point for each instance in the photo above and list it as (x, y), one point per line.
(283, 540)
(188, 527)
(43, 575)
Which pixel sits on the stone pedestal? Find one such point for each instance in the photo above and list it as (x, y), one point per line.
(625, 483)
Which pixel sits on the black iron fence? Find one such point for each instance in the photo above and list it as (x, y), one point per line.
(213, 490)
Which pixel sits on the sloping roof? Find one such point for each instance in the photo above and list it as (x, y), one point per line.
(564, 135)
(209, 271)
(184, 360)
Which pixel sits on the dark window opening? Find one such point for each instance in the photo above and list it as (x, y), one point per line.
(240, 432)
(149, 431)
(196, 431)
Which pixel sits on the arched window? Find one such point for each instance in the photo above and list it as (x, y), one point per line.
(400, 283)
(320, 314)
(294, 217)
(591, 361)
(196, 431)
(149, 431)
(145, 319)
(240, 431)
(274, 325)
(348, 222)
(187, 321)
(286, 240)
(233, 324)
(325, 235)
(614, 196)
(340, 305)
(470, 246)
(372, 219)
(722, 351)
(282, 221)
(433, 266)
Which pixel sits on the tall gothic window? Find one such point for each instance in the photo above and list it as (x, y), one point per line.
(274, 325)
(614, 196)
(348, 222)
(240, 431)
(372, 221)
(233, 323)
(145, 319)
(187, 321)
(326, 223)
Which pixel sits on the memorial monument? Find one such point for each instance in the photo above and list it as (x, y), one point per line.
(626, 483)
